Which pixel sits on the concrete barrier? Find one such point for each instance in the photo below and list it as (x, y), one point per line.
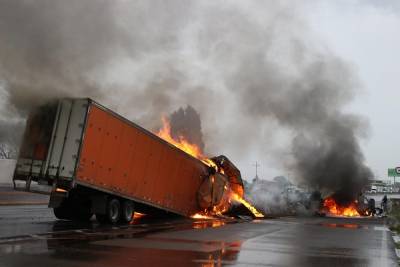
(7, 167)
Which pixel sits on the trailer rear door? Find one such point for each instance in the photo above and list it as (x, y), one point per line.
(52, 142)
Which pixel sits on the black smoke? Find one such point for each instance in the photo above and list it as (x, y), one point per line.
(261, 81)
(325, 149)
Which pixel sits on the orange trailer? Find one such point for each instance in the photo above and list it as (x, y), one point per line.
(93, 161)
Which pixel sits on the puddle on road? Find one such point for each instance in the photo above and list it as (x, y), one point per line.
(343, 225)
(126, 245)
(131, 245)
(169, 252)
(208, 224)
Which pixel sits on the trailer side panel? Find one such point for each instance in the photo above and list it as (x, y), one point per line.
(120, 157)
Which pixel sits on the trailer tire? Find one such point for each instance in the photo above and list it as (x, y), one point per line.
(127, 211)
(62, 213)
(113, 212)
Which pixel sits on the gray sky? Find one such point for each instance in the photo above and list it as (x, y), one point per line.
(367, 35)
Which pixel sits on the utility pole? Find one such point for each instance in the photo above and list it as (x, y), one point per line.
(256, 165)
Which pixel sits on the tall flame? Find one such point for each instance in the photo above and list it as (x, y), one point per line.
(194, 150)
(183, 144)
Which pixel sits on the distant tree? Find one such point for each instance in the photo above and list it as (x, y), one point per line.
(8, 151)
(10, 136)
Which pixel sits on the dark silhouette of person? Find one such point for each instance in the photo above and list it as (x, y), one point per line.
(384, 203)
(371, 206)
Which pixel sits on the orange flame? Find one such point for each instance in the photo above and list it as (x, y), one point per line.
(192, 149)
(183, 144)
(250, 207)
(333, 208)
(205, 224)
(201, 216)
(235, 197)
(138, 215)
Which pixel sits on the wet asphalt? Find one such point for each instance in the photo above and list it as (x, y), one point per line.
(31, 236)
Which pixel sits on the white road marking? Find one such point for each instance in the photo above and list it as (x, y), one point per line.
(384, 249)
(381, 228)
(36, 236)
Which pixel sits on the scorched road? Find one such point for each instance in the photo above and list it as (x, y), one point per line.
(31, 236)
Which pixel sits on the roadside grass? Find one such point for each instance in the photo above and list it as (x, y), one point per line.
(393, 221)
(394, 218)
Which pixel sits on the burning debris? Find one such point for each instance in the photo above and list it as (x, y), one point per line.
(223, 184)
(250, 207)
(334, 205)
(331, 207)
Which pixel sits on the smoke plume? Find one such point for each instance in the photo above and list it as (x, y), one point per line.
(262, 83)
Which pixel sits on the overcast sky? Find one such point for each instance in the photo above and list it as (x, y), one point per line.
(367, 35)
(248, 67)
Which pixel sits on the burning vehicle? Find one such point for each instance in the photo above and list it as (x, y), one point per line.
(332, 207)
(337, 205)
(91, 160)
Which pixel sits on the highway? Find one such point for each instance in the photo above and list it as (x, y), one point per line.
(31, 236)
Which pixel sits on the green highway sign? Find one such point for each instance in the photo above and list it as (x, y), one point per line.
(395, 172)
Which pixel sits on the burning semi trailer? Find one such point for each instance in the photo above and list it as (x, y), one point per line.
(93, 161)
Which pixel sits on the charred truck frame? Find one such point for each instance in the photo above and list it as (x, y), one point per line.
(93, 161)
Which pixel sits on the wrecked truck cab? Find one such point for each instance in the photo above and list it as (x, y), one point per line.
(232, 173)
(93, 161)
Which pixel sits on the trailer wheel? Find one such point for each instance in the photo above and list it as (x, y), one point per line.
(113, 212)
(127, 211)
(62, 213)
